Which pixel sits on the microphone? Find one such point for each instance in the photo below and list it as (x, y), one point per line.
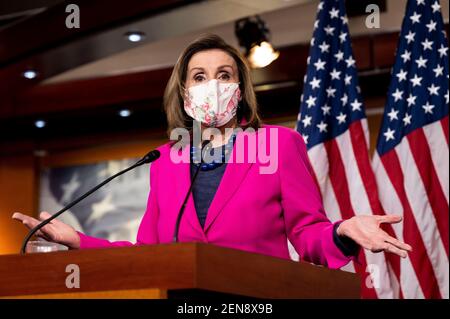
(148, 158)
(206, 145)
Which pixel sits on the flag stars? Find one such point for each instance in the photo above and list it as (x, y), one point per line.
(344, 19)
(316, 24)
(416, 80)
(393, 115)
(307, 121)
(324, 47)
(320, 7)
(356, 105)
(434, 89)
(428, 108)
(350, 62)
(406, 56)
(427, 45)
(70, 188)
(410, 36)
(431, 26)
(344, 100)
(415, 18)
(335, 75)
(401, 75)
(343, 37)
(411, 100)
(421, 62)
(420, 77)
(407, 119)
(320, 65)
(326, 110)
(311, 102)
(305, 138)
(329, 30)
(322, 126)
(439, 71)
(436, 7)
(398, 95)
(341, 118)
(443, 51)
(339, 56)
(331, 92)
(348, 79)
(334, 13)
(315, 83)
(389, 134)
(101, 208)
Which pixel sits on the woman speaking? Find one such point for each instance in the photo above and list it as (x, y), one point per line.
(241, 204)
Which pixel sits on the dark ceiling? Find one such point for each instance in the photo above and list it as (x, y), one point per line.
(13, 11)
(8, 7)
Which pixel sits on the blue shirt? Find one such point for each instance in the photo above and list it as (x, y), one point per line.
(205, 188)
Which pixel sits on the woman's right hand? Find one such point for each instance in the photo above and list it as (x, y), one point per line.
(56, 231)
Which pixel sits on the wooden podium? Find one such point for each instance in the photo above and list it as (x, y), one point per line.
(183, 270)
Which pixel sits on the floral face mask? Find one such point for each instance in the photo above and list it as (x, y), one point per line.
(213, 103)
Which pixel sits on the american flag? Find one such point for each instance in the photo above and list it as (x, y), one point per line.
(333, 124)
(412, 157)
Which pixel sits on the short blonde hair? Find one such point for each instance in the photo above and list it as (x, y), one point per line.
(173, 95)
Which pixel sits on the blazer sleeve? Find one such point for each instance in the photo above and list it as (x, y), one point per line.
(147, 233)
(307, 226)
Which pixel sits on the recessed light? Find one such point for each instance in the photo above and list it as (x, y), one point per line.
(40, 123)
(125, 113)
(135, 36)
(29, 74)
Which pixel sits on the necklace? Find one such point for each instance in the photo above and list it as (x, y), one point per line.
(226, 150)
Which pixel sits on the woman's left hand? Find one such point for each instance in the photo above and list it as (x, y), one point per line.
(365, 230)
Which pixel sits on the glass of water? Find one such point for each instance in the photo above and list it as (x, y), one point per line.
(40, 246)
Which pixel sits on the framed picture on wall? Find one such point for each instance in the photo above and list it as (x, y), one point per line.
(113, 212)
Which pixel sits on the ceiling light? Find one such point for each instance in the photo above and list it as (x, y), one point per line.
(135, 36)
(29, 74)
(125, 113)
(253, 35)
(40, 123)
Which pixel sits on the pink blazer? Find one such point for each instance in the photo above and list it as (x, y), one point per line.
(251, 211)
